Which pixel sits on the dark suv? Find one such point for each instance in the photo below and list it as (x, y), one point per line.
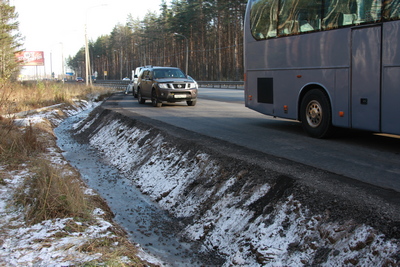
(166, 84)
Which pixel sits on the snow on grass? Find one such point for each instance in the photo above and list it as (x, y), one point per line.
(184, 182)
(57, 242)
(48, 243)
(285, 233)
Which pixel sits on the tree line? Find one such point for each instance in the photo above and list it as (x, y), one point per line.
(210, 30)
(10, 41)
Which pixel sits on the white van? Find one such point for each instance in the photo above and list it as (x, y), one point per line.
(132, 86)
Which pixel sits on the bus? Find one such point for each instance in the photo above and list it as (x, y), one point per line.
(326, 63)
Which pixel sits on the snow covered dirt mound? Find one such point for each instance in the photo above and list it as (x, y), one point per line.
(250, 215)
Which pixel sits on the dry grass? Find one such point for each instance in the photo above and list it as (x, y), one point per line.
(16, 145)
(49, 193)
(120, 248)
(17, 97)
(52, 194)
(52, 191)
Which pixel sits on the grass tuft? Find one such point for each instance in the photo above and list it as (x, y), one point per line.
(55, 192)
(18, 146)
(52, 194)
(116, 251)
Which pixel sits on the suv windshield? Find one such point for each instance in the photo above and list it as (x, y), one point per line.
(168, 73)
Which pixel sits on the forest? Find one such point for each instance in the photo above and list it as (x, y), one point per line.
(210, 32)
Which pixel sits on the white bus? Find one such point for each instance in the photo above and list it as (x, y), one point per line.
(326, 63)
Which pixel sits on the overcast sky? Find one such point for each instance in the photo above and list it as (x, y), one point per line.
(56, 26)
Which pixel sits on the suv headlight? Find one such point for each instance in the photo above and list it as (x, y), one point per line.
(193, 86)
(163, 85)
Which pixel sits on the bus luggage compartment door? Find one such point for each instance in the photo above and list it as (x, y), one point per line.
(366, 78)
(391, 78)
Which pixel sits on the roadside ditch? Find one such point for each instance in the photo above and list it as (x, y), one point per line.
(242, 207)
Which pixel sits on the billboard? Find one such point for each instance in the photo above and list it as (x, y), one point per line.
(30, 58)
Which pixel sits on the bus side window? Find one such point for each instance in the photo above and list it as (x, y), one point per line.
(368, 10)
(296, 16)
(350, 12)
(300, 16)
(338, 13)
(310, 16)
(391, 9)
(263, 17)
(287, 23)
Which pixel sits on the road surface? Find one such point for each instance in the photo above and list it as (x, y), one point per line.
(220, 113)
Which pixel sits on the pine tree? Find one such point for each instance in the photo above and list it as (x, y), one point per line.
(9, 41)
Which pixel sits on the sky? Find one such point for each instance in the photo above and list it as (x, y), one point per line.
(57, 27)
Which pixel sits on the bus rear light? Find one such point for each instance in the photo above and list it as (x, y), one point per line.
(341, 113)
(250, 97)
(244, 77)
(299, 76)
(285, 108)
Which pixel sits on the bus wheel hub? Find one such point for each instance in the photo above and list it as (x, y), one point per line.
(314, 115)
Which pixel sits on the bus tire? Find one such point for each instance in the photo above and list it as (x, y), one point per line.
(316, 114)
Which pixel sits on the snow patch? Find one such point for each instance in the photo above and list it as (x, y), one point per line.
(221, 206)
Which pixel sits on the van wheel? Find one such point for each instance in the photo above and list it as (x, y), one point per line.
(316, 114)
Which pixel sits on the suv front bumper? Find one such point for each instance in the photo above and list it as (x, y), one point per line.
(171, 95)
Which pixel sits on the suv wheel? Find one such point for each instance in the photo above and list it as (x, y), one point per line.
(140, 98)
(191, 103)
(154, 99)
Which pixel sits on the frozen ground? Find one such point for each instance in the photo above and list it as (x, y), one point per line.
(249, 215)
(48, 243)
(147, 224)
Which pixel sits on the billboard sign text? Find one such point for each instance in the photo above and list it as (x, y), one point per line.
(30, 58)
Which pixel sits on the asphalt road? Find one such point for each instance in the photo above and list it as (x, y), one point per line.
(220, 113)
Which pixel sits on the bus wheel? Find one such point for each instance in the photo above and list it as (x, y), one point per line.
(315, 114)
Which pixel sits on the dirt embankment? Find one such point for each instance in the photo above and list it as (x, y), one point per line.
(249, 207)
